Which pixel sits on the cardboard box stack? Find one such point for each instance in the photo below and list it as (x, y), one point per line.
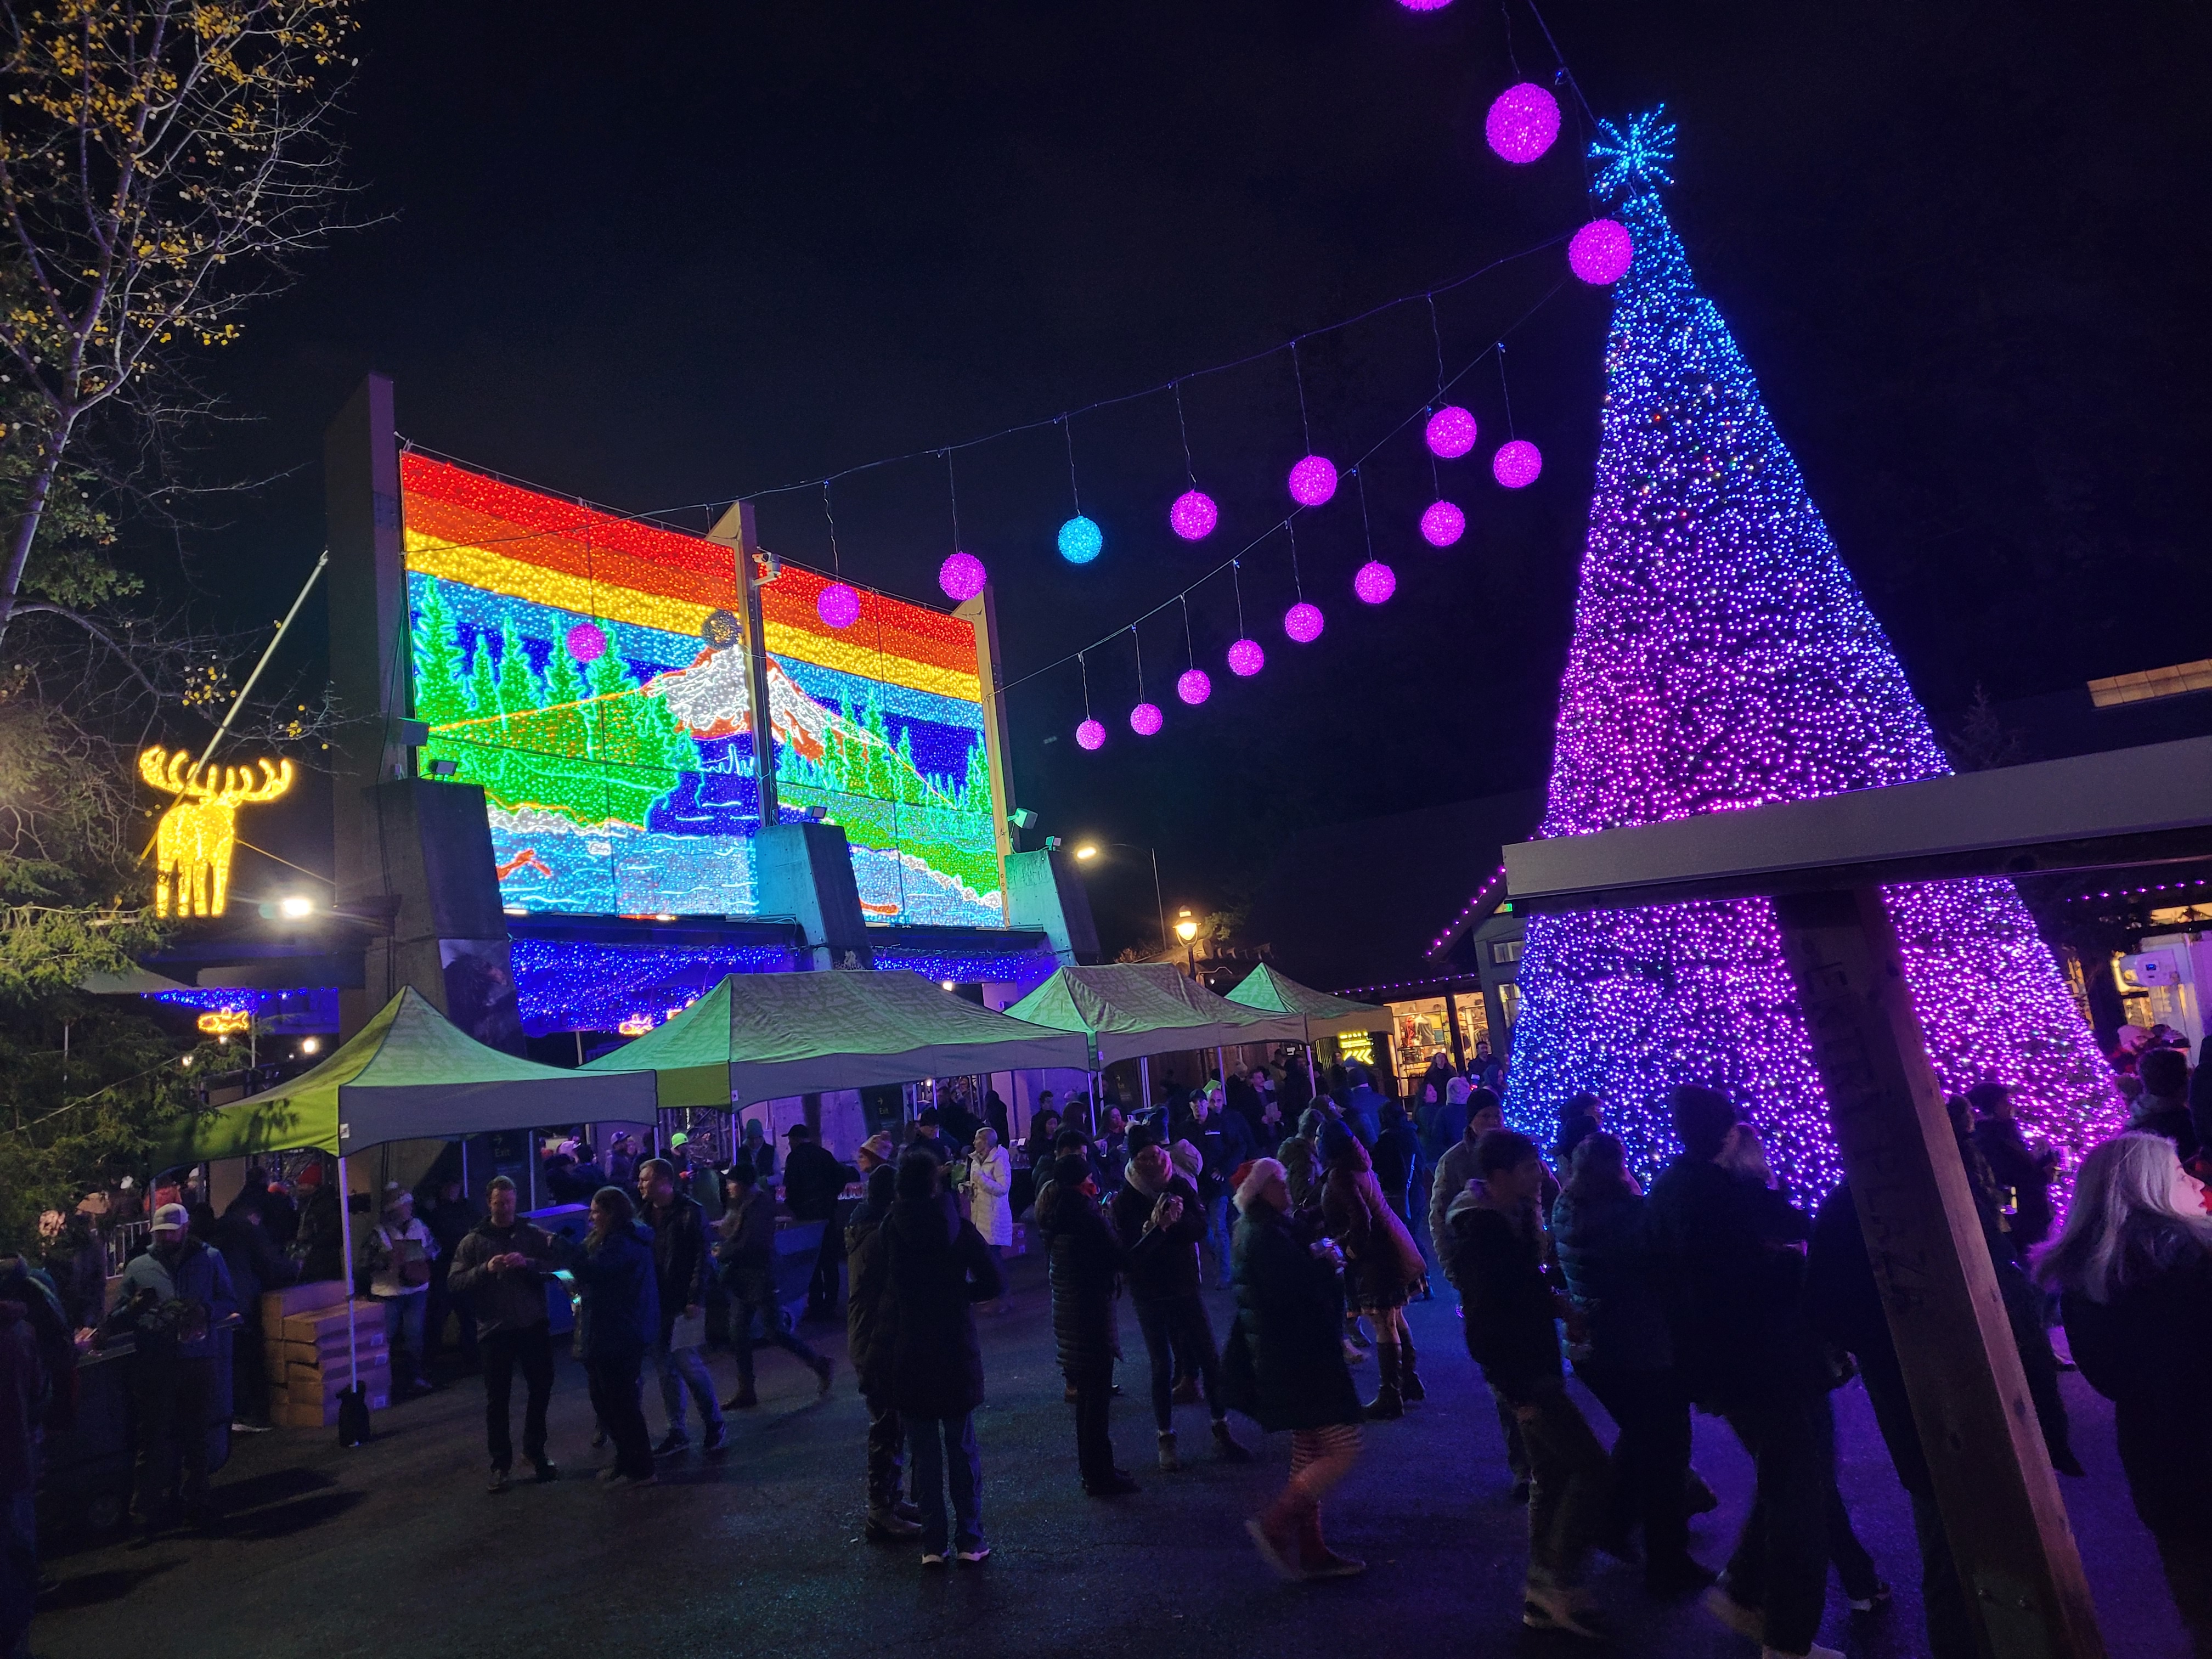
(305, 1340)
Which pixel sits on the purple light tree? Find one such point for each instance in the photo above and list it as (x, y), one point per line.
(1722, 657)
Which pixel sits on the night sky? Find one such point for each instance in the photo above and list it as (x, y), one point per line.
(661, 256)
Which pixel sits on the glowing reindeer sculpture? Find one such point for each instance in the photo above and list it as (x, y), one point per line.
(200, 832)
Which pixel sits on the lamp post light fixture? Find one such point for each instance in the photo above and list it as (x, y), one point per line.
(1090, 851)
(1187, 931)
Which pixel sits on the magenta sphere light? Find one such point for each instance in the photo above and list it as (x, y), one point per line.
(1147, 719)
(1601, 252)
(1450, 432)
(1313, 480)
(838, 605)
(1425, 5)
(1442, 523)
(1193, 515)
(1302, 621)
(1516, 464)
(1246, 658)
(1374, 582)
(961, 577)
(1091, 735)
(587, 641)
(1193, 686)
(1522, 122)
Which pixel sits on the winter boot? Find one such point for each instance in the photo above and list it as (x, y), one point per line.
(1315, 1559)
(1409, 1385)
(1168, 1461)
(1388, 1402)
(1226, 1446)
(1276, 1533)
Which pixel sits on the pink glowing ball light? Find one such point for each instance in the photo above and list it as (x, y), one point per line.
(1601, 252)
(1442, 523)
(1147, 719)
(1313, 480)
(1193, 515)
(1303, 623)
(1450, 432)
(1425, 5)
(587, 642)
(1246, 658)
(1091, 735)
(1193, 686)
(1374, 582)
(1516, 464)
(838, 605)
(1522, 122)
(962, 577)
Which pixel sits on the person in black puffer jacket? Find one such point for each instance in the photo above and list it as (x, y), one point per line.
(1283, 1368)
(938, 1267)
(1160, 1213)
(1083, 1263)
(621, 1320)
(746, 1260)
(871, 1333)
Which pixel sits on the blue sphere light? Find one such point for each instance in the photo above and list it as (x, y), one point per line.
(1081, 540)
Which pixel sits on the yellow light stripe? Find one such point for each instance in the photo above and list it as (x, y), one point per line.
(494, 572)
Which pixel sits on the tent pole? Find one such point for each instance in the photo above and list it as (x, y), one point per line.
(1145, 1082)
(345, 1269)
(1313, 1082)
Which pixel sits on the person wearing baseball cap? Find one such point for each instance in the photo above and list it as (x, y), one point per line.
(173, 1300)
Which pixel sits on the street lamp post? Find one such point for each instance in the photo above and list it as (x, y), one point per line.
(1091, 850)
(1187, 931)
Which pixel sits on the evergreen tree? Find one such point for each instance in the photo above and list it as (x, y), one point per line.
(517, 686)
(439, 698)
(1722, 658)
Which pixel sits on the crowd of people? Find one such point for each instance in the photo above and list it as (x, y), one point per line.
(1325, 1210)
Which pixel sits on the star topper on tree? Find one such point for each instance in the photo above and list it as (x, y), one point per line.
(1636, 155)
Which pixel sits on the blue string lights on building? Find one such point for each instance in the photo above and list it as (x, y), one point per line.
(1723, 658)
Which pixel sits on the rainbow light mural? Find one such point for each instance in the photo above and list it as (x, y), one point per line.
(588, 671)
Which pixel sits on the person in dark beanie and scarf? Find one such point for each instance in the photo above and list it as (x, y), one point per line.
(1382, 1263)
(1158, 1212)
(622, 1322)
(871, 1332)
(938, 1267)
(1083, 1265)
(1283, 1368)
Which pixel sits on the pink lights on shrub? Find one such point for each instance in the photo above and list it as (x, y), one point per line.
(1442, 523)
(961, 577)
(1374, 582)
(1303, 623)
(1246, 658)
(1516, 464)
(1450, 432)
(838, 605)
(1313, 480)
(1147, 719)
(1091, 735)
(1193, 515)
(1522, 122)
(1193, 686)
(1601, 252)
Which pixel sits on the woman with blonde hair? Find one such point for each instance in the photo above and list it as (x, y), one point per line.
(2133, 1269)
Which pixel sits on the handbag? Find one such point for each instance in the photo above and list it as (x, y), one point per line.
(409, 1264)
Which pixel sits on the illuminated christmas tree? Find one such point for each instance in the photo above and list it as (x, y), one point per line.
(1722, 657)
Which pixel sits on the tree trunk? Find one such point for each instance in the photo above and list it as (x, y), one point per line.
(26, 532)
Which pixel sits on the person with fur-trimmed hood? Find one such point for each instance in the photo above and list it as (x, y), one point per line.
(1157, 1210)
(1283, 1368)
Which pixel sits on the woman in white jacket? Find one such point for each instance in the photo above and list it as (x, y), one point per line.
(990, 1180)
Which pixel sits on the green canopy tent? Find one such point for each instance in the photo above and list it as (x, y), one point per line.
(1318, 1013)
(765, 1037)
(1134, 1010)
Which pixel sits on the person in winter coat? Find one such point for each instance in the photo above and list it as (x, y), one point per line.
(1496, 1240)
(2133, 1269)
(990, 1194)
(1363, 1106)
(870, 1331)
(400, 1254)
(812, 1178)
(499, 1268)
(256, 1264)
(936, 1268)
(746, 1260)
(1727, 1252)
(171, 1300)
(1300, 1156)
(1157, 1210)
(680, 1268)
(1627, 1358)
(622, 1322)
(2028, 1170)
(1396, 1156)
(1381, 1264)
(1284, 1369)
(1083, 1261)
(320, 1241)
(1455, 1162)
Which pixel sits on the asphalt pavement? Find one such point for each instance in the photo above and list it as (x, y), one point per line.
(395, 1547)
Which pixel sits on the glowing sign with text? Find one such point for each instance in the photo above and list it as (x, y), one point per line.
(588, 671)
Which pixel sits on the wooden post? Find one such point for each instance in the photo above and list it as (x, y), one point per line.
(1999, 1498)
